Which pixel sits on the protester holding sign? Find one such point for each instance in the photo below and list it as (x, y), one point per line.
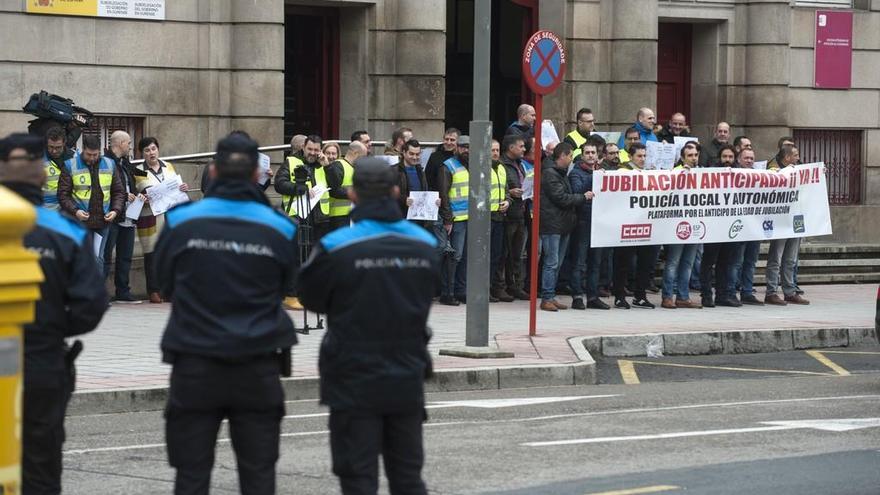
(680, 257)
(150, 224)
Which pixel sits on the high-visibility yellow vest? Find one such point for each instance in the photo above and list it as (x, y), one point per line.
(499, 185)
(458, 189)
(289, 202)
(624, 156)
(578, 141)
(342, 207)
(50, 190)
(82, 180)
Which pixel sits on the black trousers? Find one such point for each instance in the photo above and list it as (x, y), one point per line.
(357, 439)
(716, 260)
(45, 402)
(337, 222)
(203, 392)
(644, 262)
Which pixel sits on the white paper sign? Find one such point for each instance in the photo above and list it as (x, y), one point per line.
(132, 9)
(709, 205)
(424, 205)
(548, 133)
(609, 137)
(391, 159)
(315, 194)
(661, 156)
(528, 187)
(426, 155)
(681, 141)
(133, 211)
(265, 167)
(166, 195)
(96, 246)
(762, 165)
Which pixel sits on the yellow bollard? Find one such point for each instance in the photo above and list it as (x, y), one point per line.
(20, 276)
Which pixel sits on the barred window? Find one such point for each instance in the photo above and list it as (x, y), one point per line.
(105, 125)
(841, 150)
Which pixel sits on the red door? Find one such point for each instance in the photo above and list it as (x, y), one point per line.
(673, 70)
(311, 72)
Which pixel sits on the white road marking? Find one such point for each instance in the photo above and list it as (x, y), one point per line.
(657, 409)
(513, 402)
(836, 425)
(162, 445)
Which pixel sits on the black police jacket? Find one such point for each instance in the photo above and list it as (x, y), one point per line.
(374, 281)
(73, 298)
(225, 262)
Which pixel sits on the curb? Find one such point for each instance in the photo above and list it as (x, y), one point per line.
(731, 342)
(581, 372)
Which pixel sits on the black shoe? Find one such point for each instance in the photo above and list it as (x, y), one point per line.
(621, 304)
(565, 291)
(597, 304)
(127, 299)
(448, 301)
(729, 302)
(493, 299)
(653, 289)
(578, 303)
(643, 303)
(521, 295)
(752, 300)
(708, 302)
(461, 299)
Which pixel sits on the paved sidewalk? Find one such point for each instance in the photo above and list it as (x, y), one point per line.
(124, 351)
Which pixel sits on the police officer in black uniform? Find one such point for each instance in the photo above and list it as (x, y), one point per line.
(225, 262)
(73, 300)
(374, 281)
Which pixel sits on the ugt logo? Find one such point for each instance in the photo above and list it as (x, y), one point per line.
(683, 231)
(798, 224)
(768, 228)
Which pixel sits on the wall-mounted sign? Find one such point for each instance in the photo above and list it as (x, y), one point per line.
(153, 10)
(833, 67)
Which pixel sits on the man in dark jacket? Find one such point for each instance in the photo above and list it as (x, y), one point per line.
(374, 281)
(676, 127)
(500, 202)
(443, 153)
(228, 338)
(452, 186)
(525, 122)
(515, 232)
(91, 189)
(291, 187)
(559, 207)
(585, 276)
(123, 229)
(410, 175)
(72, 302)
(709, 153)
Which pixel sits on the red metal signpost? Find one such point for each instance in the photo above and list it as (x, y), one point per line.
(543, 64)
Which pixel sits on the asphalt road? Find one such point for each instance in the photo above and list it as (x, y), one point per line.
(705, 437)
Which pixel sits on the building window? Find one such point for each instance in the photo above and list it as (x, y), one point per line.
(104, 125)
(841, 150)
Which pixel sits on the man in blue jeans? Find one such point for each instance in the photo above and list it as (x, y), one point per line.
(585, 277)
(680, 257)
(745, 256)
(452, 184)
(559, 206)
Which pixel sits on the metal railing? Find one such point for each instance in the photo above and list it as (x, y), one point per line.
(269, 149)
(841, 150)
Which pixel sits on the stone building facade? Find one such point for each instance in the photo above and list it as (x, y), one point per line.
(275, 67)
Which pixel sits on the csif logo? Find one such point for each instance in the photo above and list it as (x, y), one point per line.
(634, 231)
(735, 228)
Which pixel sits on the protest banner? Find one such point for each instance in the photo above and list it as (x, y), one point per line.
(706, 205)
